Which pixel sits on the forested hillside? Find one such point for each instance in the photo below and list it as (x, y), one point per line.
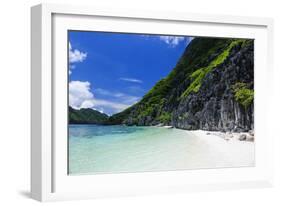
(211, 87)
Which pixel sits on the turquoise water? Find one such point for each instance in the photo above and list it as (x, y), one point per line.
(111, 149)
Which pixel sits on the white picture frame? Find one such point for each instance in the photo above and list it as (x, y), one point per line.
(49, 179)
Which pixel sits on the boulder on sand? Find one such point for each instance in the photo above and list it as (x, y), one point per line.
(242, 137)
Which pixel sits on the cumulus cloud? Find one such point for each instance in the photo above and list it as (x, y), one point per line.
(75, 55)
(172, 40)
(130, 80)
(80, 96)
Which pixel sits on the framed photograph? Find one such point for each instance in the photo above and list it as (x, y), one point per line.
(136, 102)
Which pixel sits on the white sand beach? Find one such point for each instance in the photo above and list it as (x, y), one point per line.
(233, 152)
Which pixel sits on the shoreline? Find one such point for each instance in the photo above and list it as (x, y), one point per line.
(227, 136)
(240, 136)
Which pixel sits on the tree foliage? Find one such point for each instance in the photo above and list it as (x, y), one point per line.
(243, 94)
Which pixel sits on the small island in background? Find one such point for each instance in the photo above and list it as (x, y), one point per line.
(209, 93)
(86, 116)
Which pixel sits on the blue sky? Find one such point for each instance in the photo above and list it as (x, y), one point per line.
(111, 71)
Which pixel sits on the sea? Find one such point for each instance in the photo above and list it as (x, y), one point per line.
(99, 149)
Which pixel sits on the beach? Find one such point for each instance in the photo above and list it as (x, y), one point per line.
(95, 149)
(237, 152)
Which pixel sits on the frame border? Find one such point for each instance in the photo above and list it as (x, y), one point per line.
(42, 124)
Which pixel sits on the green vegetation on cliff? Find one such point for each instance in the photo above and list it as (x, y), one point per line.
(243, 94)
(164, 118)
(200, 73)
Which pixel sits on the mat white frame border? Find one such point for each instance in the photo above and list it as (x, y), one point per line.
(46, 182)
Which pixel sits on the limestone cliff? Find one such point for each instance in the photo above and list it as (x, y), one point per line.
(211, 88)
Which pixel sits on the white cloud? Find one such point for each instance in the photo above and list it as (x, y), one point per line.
(100, 110)
(75, 55)
(80, 96)
(71, 67)
(172, 40)
(87, 104)
(130, 80)
(114, 106)
(124, 98)
(130, 99)
(135, 89)
(110, 93)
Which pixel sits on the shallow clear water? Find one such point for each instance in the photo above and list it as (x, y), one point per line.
(109, 149)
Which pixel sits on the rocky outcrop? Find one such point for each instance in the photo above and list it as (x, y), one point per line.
(214, 106)
(211, 88)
